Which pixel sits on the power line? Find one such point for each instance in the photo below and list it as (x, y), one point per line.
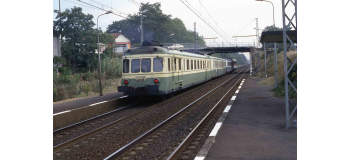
(109, 7)
(99, 8)
(202, 18)
(212, 17)
(245, 26)
(80, 4)
(135, 3)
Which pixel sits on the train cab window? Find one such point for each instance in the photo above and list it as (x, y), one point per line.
(175, 63)
(201, 64)
(126, 65)
(135, 66)
(168, 64)
(157, 64)
(179, 64)
(146, 65)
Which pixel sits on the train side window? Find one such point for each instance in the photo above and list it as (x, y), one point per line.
(126, 65)
(157, 64)
(191, 64)
(195, 64)
(135, 65)
(188, 65)
(168, 64)
(180, 64)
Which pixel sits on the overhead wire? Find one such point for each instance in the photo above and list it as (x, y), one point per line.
(99, 8)
(202, 18)
(244, 27)
(81, 4)
(212, 17)
(109, 7)
(135, 3)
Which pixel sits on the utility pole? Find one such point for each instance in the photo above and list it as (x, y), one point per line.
(257, 41)
(141, 30)
(195, 37)
(265, 61)
(59, 12)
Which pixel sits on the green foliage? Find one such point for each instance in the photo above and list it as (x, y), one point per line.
(156, 26)
(79, 39)
(111, 67)
(86, 89)
(280, 92)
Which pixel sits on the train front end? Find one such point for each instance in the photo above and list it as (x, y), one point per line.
(143, 71)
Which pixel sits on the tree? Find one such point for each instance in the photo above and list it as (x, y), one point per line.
(79, 38)
(156, 26)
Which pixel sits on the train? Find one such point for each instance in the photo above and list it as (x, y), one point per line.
(151, 70)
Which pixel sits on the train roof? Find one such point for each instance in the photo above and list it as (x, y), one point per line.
(161, 50)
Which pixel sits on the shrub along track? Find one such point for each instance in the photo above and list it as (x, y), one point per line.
(104, 142)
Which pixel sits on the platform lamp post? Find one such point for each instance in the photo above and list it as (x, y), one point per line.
(167, 36)
(274, 44)
(98, 50)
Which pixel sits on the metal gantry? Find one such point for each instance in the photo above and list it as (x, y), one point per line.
(287, 70)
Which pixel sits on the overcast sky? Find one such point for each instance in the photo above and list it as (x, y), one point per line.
(233, 17)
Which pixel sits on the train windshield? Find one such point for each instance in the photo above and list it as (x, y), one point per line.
(157, 64)
(125, 66)
(146, 65)
(135, 65)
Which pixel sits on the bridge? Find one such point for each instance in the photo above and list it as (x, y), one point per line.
(215, 47)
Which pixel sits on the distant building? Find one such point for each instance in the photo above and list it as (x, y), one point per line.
(102, 48)
(121, 44)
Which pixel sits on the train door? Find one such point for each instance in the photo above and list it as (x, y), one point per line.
(181, 64)
(175, 69)
(216, 68)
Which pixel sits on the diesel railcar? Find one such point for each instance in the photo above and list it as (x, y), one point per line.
(230, 65)
(154, 70)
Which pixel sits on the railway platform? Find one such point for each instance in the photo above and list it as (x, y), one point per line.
(254, 128)
(60, 107)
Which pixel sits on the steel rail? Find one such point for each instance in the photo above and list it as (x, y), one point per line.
(93, 132)
(120, 152)
(90, 119)
(178, 151)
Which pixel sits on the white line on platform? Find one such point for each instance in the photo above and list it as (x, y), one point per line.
(237, 91)
(123, 97)
(233, 98)
(61, 112)
(97, 103)
(215, 129)
(227, 108)
(199, 158)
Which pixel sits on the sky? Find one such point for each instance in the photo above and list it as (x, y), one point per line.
(229, 17)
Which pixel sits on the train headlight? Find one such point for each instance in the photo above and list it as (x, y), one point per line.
(156, 81)
(126, 82)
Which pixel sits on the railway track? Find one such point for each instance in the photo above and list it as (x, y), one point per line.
(130, 151)
(81, 145)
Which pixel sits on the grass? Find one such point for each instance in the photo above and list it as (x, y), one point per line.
(110, 89)
(68, 86)
(270, 69)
